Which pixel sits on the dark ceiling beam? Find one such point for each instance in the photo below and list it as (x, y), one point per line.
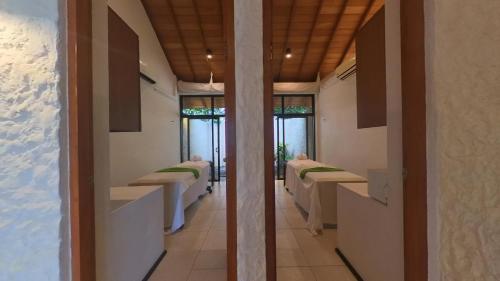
(200, 26)
(181, 37)
(290, 17)
(332, 35)
(356, 30)
(311, 32)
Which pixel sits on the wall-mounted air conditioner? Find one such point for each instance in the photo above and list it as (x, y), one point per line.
(346, 69)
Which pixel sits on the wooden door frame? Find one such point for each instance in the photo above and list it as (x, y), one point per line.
(269, 184)
(414, 139)
(231, 164)
(414, 142)
(82, 219)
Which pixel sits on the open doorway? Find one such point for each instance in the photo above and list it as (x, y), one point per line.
(201, 238)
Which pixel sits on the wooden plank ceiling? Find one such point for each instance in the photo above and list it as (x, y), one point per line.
(320, 34)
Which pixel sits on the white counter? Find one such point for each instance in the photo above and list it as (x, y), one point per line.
(137, 238)
(362, 232)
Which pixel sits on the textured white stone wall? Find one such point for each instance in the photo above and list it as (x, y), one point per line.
(250, 140)
(32, 133)
(463, 87)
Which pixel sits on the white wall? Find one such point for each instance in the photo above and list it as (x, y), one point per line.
(33, 142)
(341, 143)
(463, 105)
(392, 156)
(158, 145)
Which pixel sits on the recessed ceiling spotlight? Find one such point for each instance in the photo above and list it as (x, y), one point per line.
(288, 53)
(209, 54)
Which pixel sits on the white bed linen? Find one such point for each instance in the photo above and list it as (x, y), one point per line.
(293, 169)
(180, 190)
(317, 195)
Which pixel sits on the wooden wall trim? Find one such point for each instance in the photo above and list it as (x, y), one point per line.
(414, 139)
(81, 140)
(269, 185)
(230, 103)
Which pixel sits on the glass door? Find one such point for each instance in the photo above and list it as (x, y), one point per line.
(203, 132)
(220, 148)
(293, 129)
(292, 137)
(200, 138)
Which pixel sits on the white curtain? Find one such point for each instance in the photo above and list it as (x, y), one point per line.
(187, 88)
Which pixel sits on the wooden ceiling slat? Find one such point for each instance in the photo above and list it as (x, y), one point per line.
(205, 46)
(358, 27)
(332, 35)
(320, 33)
(179, 32)
(290, 17)
(318, 12)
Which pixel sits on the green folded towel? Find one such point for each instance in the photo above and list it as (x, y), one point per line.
(195, 172)
(318, 169)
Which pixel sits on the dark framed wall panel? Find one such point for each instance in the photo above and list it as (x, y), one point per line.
(371, 73)
(124, 76)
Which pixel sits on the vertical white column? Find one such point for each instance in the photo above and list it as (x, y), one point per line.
(250, 140)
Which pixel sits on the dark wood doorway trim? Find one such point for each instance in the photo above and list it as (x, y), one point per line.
(230, 103)
(414, 139)
(79, 39)
(270, 208)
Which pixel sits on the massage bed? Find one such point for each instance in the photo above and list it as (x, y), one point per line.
(317, 195)
(181, 189)
(293, 168)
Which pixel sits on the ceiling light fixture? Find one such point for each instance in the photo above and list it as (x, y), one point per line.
(209, 54)
(288, 53)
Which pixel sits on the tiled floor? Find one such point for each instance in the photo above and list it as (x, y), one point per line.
(198, 251)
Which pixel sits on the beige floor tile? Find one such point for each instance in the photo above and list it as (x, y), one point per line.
(333, 273)
(175, 266)
(285, 239)
(200, 221)
(290, 258)
(281, 222)
(285, 201)
(319, 249)
(295, 217)
(219, 222)
(185, 240)
(216, 240)
(212, 259)
(295, 274)
(208, 275)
